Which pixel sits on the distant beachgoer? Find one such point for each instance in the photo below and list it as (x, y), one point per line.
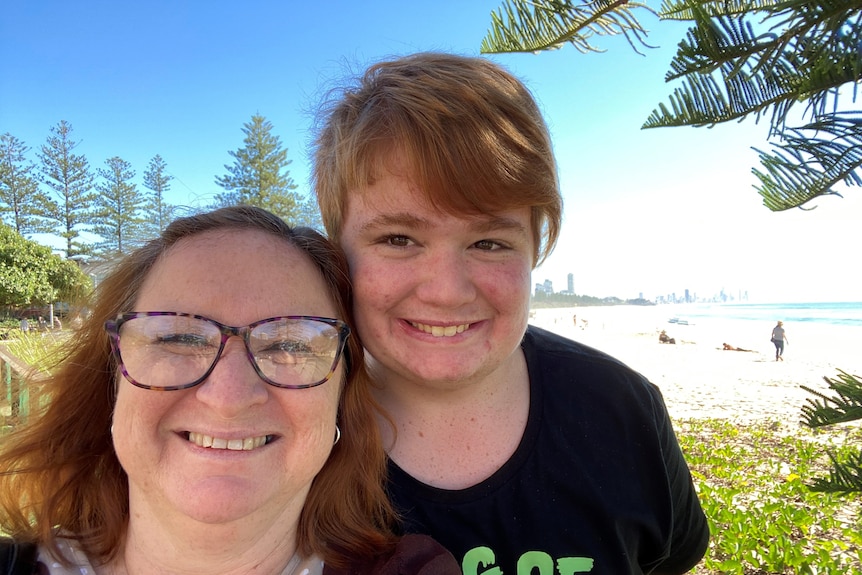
(663, 337)
(56, 324)
(43, 325)
(778, 339)
(728, 347)
(25, 325)
(575, 319)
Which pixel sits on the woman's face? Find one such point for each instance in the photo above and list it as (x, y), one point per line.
(235, 277)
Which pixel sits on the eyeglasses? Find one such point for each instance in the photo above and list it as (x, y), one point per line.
(164, 350)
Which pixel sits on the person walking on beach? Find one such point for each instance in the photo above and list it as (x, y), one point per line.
(778, 339)
(518, 449)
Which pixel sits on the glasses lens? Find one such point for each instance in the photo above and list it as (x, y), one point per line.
(295, 352)
(168, 351)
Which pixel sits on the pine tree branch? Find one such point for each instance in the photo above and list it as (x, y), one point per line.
(845, 476)
(831, 409)
(684, 9)
(805, 54)
(534, 26)
(804, 166)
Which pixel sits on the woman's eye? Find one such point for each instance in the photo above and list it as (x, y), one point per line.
(286, 352)
(183, 340)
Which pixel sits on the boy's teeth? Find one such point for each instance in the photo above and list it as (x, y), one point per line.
(441, 331)
(247, 444)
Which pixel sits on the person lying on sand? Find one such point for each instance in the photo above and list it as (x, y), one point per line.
(728, 347)
(664, 338)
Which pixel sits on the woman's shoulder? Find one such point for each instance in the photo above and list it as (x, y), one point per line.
(413, 555)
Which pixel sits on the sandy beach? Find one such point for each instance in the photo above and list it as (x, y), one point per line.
(698, 378)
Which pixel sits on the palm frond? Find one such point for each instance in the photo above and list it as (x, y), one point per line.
(533, 26)
(811, 161)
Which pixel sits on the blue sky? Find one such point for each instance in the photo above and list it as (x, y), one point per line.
(646, 211)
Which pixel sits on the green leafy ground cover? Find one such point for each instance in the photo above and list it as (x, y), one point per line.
(753, 483)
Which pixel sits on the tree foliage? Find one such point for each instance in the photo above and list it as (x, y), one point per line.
(739, 58)
(22, 204)
(769, 58)
(119, 208)
(68, 176)
(158, 212)
(843, 406)
(258, 175)
(308, 214)
(534, 26)
(31, 274)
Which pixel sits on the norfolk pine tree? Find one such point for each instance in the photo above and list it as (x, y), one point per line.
(258, 176)
(158, 213)
(22, 204)
(68, 176)
(761, 58)
(119, 207)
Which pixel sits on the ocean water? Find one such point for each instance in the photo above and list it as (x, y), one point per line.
(831, 331)
(831, 313)
(825, 334)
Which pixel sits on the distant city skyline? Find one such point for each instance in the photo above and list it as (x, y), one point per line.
(683, 296)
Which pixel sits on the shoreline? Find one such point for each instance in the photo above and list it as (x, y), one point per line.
(698, 378)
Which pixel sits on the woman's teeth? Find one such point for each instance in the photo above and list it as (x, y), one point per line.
(247, 444)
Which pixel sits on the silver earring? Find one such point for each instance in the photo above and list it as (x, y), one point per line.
(337, 434)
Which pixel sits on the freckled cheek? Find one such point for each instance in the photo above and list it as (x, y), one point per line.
(376, 287)
(507, 285)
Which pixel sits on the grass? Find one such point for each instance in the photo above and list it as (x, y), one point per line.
(35, 348)
(753, 485)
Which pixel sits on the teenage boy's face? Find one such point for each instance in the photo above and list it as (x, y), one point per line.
(440, 300)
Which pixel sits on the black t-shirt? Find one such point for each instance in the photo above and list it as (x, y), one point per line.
(598, 483)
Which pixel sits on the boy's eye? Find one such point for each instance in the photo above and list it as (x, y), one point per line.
(398, 241)
(488, 245)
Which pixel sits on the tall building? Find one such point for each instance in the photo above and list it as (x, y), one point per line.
(571, 283)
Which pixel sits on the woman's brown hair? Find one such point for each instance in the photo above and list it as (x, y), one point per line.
(471, 135)
(59, 474)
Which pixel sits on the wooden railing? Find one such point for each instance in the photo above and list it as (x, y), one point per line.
(17, 397)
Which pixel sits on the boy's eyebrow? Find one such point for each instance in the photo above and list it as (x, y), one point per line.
(499, 223)
(411, 221)
(405, 219)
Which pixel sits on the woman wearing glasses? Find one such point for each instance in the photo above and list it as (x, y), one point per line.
(212, 415)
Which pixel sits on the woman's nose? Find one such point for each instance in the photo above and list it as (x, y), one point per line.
(233, 385)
